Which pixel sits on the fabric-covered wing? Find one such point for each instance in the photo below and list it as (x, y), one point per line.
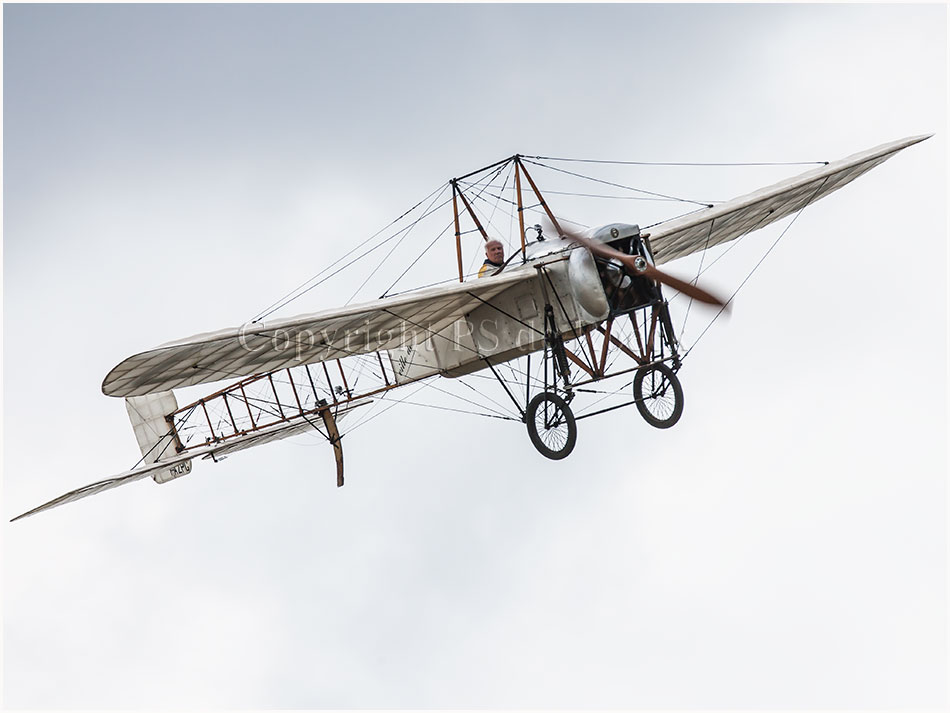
(691, 233)
(257, 348)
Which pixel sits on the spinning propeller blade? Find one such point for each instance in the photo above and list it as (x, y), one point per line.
(639, 265)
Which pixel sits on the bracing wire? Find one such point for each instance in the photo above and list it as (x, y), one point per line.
(756, 267)
(620, 185)
(394, 247)
(304, 288)
(429, 246)
(668, 163)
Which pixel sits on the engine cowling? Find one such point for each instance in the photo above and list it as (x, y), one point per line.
(586, 286)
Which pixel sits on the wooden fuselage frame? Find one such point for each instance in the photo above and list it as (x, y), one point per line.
(511, 325)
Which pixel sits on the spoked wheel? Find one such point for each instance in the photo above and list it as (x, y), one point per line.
(551, 425)
(659, 395)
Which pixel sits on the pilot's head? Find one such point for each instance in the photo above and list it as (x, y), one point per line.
(495, 252)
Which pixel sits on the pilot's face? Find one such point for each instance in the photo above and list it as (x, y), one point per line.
(495, 252)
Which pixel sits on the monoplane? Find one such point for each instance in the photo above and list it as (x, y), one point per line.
(587, 305)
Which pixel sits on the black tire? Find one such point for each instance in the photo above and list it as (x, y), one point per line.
(551, 425)
(659, 395)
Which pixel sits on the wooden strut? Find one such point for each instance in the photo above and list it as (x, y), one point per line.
(640, 360)
(329, 383)
(176, 437)
(313, 387)
(262, 423)
(208, 418)
(580, 362)
(346, 387)
(544, 205)
(457, 193)
(471, 212)
(593, 354)
(230, 415)
(653, 320)
(636, 331)
(293, 387)
(520, 206)
(620, 345)
(323, 409)
(458, 232)
(248, 404)
(382, 368)
(270, 378)
(603, 354)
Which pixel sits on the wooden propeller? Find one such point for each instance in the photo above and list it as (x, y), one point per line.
(640, 266)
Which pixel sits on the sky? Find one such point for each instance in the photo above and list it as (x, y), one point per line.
(174, 169)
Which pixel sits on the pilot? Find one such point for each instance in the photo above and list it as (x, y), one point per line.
(494, 258)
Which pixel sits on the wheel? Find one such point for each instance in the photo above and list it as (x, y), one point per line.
(551, 425)
(659, 395)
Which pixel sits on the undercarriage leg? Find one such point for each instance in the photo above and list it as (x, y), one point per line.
(555, 343)
(669, 335)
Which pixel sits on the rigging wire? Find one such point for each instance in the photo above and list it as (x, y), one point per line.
(668, 163)
(598, 195)
(469, 386)
(478, 196)
(300, 291)
(393, 248)
(381, 230)
(620, 185)
(455, 410)
(413, 263)
(699, 271)
(303, 288)
(429, 246)
(380, 413)
(170, 432)
(606, 396)
(536, 209)
(675, 217)
(756, 267)
(360, 364)
(490, 223)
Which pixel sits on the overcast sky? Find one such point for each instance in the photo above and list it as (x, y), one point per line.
(173, 169)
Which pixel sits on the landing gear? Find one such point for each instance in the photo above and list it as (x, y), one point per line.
(658, 395)
(551, 425)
